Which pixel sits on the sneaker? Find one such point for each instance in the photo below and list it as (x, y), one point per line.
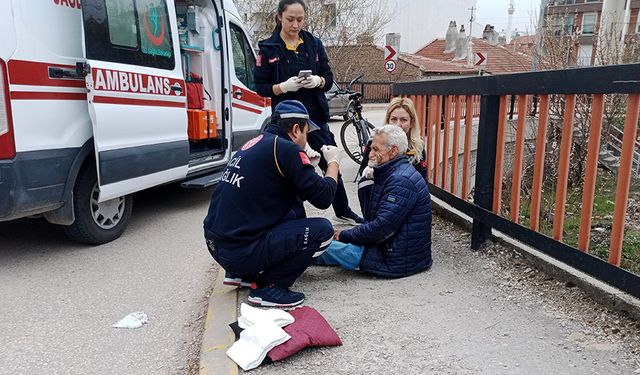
(350, 217)
(275, 296)
(233, 280)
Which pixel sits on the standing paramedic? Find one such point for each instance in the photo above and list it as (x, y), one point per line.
(252, 229)
(289, 51)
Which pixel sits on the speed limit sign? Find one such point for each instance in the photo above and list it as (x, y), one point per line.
(390, 66)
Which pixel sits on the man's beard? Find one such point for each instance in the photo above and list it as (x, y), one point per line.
(372, 163)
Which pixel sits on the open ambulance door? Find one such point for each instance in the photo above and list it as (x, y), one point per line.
(137, 94)
(248, 109)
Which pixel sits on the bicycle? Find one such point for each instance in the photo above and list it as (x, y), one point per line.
(356, 131)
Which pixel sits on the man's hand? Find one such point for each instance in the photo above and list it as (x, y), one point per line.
(331, 154)
(291, 85)
(311, 82)
(367, 172)
(336, 234)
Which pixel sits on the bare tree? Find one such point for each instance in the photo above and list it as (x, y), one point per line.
(558, 48)
(337, 23)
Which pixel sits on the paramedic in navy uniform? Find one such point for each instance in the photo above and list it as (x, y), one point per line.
(281, 57)
(252, 229)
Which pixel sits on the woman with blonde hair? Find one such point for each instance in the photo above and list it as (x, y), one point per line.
(402, 112)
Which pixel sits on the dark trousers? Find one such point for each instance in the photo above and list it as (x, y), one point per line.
(316, 140)
(281, 255)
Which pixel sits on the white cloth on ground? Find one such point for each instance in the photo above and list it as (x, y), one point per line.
(255, 342)
(250, 315)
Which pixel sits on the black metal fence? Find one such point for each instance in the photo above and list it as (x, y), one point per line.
(373, 92)
(622, 79)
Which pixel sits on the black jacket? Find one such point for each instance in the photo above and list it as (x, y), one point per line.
(259, 188)
(272, 67)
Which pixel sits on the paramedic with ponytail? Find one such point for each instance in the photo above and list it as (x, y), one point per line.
(252, 229)
(293, 64)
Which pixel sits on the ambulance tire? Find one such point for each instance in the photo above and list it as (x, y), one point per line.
(86, 227)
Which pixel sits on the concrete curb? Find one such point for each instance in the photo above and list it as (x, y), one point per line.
(594, 288)
(218, 337)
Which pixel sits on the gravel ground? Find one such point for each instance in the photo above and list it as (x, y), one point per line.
(472, 313)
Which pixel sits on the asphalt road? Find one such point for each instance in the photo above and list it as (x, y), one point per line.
(59, 299)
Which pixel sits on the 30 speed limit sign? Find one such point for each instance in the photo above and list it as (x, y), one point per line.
(390, 66)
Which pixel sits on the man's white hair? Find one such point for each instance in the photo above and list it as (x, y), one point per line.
(395, 137)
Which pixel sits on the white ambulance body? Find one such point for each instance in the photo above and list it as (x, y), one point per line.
(93, 104)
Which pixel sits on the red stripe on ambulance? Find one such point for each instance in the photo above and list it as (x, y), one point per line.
(143, 102)
(26, 95)
(252, 98)
(33, 73)
(243, 107)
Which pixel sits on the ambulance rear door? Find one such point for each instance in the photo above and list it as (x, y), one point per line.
(137, 94)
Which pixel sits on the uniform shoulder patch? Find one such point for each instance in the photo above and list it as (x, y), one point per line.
(304, 158)
(252, 142)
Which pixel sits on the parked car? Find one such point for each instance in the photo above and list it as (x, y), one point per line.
(339, 103)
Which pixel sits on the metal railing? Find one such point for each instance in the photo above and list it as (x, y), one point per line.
(562, 86)
(373, 92)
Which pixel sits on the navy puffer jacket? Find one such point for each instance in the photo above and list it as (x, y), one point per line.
(397, 232)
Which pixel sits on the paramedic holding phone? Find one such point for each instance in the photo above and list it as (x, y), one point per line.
(293, 64)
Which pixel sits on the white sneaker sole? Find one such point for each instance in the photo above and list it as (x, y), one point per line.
(236, 282)
(260, 302)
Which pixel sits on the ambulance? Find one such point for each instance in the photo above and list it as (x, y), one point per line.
(100, 99)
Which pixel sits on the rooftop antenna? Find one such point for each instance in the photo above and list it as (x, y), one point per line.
(470, 43)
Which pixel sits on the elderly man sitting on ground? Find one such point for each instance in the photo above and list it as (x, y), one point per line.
(395, 240)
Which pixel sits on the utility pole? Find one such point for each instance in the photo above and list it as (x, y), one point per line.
(469, 41)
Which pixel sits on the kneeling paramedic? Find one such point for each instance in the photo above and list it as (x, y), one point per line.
(253, 229)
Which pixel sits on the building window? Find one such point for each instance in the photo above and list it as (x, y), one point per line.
(638, 26)
(569, 23)
(589, 23)
(593, 1)
(330, 14)
(584, 55)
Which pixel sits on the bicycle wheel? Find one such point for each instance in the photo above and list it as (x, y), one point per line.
(354, 137)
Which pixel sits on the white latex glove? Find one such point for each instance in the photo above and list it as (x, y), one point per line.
(331, 154)
(314, 156)
(311, 82)
(291, 85)
(367, 172)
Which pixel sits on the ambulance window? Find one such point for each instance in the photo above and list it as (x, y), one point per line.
(122, 23)
(243, 59)
(136, 32)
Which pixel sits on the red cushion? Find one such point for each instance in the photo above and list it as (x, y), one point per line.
(309, 329)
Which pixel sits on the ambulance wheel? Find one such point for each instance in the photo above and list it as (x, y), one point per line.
(97, 223)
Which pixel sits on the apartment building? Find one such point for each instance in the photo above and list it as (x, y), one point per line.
(593, 23)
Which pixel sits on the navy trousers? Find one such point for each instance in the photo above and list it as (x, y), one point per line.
(316, 140)
(280, 256)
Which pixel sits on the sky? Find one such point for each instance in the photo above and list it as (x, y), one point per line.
(494, 12)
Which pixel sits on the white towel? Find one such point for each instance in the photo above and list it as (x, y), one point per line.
(250, 315)
(255, 342)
